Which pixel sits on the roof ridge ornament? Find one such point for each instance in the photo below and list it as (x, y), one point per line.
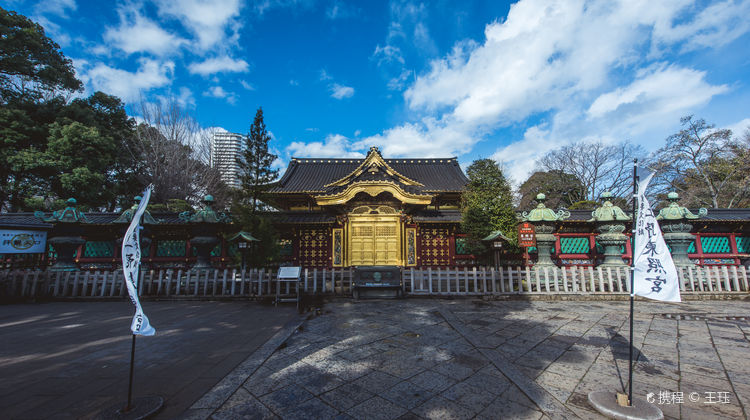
(542, 213)
(374, 163)
(68, 215)
(674, 211)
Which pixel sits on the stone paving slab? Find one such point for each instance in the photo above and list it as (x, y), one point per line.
(71, 359)
(463, 359)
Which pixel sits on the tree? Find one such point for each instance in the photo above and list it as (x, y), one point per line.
(486, 205)
(32, 66)
(256, 177)
(107, 115)
(255, 163)
(598, 167)
(562, 189)
(705, 165)
(172, 151)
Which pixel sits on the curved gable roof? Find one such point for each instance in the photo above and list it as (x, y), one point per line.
(313, 175)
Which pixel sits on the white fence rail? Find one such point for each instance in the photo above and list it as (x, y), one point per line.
(416, 281)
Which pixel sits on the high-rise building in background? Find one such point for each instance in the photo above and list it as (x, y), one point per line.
(225, 150)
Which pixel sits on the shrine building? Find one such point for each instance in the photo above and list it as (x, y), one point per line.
(371, 211)
(337, 213)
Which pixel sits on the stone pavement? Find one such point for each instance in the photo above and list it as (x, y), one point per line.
(71, 359)
(462, 359)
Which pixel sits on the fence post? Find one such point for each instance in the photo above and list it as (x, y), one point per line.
(555, 280)
(744, 277)
(681, 277)
(476, 286)
(565, 280)
(725, 271)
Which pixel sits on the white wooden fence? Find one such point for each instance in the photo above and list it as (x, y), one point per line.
(417, 281)
(552, 280)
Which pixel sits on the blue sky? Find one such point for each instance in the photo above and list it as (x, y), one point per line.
(470, 79)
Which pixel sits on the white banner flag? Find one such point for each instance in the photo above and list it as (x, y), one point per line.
(131, 265)
(655, 273)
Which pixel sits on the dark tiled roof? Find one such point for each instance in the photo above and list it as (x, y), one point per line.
(301, 217)
(437, 216)
(714, 215)
(29, 221)
(726, 214)
(312, 175)
(22, 220)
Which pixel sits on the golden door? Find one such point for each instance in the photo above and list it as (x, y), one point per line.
(374, 239)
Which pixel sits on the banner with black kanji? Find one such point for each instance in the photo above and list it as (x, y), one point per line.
(655, 272)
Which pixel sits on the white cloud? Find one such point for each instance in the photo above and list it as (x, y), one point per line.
(129, 85)
(213, 22)
(324, 75)
(56, 7)
(219, 92)
(262, 6)
(716, 25)
(186, 98)
(334, 146)
(388, 54)
(740, 128)
(221, 64)
(340, 91)
(293, 82)
(577, 69)
(659, 90)
(247, 85)
(340, 10)
(137, 33)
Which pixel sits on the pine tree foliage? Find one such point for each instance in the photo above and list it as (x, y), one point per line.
(256, 177)
(255, 163)
(487, 205)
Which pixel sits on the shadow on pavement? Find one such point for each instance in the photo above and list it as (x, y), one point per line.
(71, 359)
(426, 358)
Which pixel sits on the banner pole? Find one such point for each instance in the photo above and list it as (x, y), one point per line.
(632, 280)
(130, 381)
(132, 346)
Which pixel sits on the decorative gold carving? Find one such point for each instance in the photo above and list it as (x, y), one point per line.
(373, 188)
(374, 239)
(338, 245)
(373, 163)
(411, 246)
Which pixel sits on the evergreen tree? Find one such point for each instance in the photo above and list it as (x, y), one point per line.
(256, 177)
(255, 162)
(487, 205)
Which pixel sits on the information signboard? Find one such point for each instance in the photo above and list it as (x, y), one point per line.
(289, 272)
(22, 241)
(526, 235)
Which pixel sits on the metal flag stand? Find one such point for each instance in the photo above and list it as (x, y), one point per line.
(141, 407)
(618, 405)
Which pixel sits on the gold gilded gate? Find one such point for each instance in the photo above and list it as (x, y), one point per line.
(374, 236)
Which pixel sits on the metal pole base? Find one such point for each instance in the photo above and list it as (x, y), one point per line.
(140, 408)
(640, 409)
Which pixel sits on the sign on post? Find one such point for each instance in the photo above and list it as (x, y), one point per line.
(289, 275)
(526, 235)
(22, 241)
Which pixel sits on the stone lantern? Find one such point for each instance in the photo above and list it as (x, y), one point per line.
(544, 221)
(205, 226)
(610, 222)
(674, 221)
(127, 216)
(65, 237)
